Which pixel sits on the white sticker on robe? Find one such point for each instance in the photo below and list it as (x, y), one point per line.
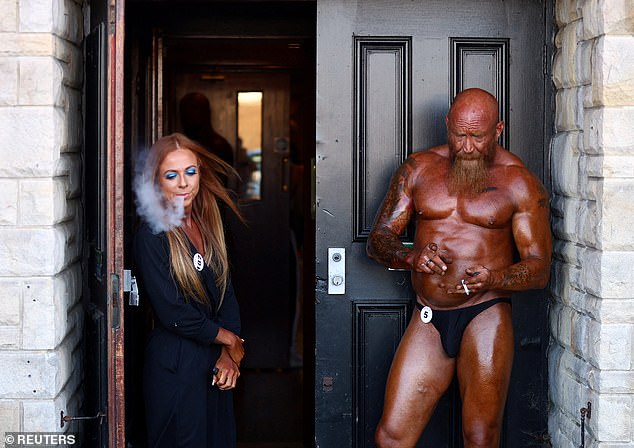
(425, 314)
(199, 263)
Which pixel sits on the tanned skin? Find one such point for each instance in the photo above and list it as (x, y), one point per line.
(468, 223)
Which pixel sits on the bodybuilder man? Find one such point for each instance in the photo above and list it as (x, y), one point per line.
(474, 203)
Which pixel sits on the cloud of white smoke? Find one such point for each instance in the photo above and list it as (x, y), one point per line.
(158, 213)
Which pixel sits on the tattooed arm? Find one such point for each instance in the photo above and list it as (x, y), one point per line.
(384, 244)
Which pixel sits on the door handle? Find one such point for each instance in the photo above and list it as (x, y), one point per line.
(282, 146)
(336, 270)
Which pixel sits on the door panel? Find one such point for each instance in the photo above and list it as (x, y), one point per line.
(375, 324)
(383, 113)
(385, 77)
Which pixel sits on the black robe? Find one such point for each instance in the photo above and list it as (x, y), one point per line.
(182, 408)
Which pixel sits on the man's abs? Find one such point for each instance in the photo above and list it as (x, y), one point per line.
(433, 289)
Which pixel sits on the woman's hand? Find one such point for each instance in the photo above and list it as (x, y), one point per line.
(232, 343)
(228, 372)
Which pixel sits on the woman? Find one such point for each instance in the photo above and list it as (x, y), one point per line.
(194, 350)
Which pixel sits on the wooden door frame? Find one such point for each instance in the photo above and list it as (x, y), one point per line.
(114, 207)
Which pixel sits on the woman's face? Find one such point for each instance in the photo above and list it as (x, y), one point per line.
(179, 177)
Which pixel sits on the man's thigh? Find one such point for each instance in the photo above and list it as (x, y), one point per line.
(421, 372)
(484, 365)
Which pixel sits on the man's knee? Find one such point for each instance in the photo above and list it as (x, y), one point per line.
(481, 434)
(386, 437)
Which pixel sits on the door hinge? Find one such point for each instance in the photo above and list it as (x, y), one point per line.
(130, 286)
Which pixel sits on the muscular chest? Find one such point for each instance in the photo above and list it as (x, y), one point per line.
(492, 208)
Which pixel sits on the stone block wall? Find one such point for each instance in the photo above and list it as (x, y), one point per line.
(41, 132)
(592, 312)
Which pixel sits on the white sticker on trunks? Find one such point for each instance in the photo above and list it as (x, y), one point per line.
(199, 263)
(425, 314)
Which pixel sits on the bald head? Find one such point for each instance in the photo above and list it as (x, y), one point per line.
(472, 132)
(474, 101)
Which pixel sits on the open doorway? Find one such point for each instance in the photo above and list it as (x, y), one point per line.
(252, 65)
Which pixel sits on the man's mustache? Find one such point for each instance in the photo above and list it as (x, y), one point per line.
(474, 155)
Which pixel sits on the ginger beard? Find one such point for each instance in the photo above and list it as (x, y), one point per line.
(469, 173)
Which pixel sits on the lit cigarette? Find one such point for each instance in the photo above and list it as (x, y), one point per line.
(464, 285)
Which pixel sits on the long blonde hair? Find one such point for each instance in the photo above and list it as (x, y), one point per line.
(206, 214)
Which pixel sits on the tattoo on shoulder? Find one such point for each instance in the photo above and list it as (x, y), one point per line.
(394, 215)
(542, 197)
(410, 165)
(398, 186)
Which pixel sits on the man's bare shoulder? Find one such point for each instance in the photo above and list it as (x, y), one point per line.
(431, 156)
(513, 166)
(507, 158)
(436, 151)
(522, 183)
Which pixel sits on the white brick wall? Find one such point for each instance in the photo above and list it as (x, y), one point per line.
(592, 314)
(41, 73)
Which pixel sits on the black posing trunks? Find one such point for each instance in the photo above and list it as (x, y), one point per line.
(452, 323)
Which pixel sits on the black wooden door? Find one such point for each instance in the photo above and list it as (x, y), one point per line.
(95, 247)
(386, 72)
(103, 250)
